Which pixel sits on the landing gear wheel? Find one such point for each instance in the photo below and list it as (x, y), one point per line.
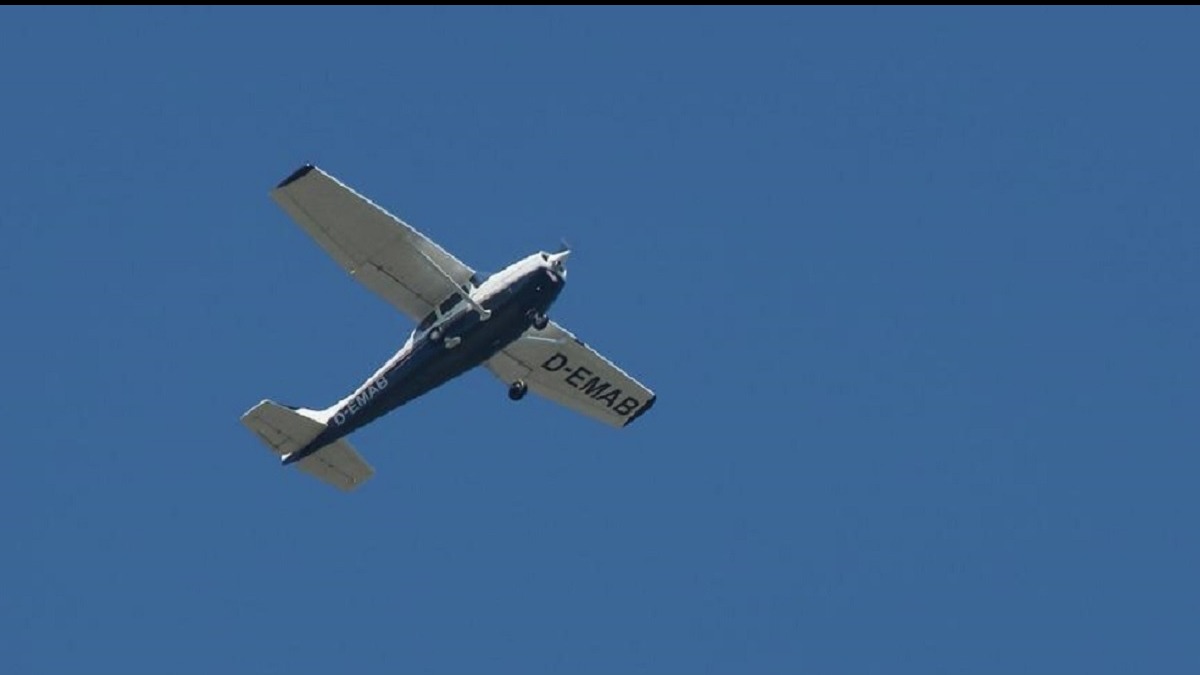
(540, 321)
(517, 391)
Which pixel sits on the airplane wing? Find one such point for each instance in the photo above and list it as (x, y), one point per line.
(383, 252)
(556, 364)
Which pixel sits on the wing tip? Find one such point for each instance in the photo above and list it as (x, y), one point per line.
(642, 411)
(296, 175)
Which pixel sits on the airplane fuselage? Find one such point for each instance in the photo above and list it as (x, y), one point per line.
(456, 343)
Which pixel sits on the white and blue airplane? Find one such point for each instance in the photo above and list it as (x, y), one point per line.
(464, 321)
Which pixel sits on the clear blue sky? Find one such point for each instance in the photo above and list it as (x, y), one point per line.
(917, 290)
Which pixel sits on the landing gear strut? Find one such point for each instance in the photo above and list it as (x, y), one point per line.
(517, 391)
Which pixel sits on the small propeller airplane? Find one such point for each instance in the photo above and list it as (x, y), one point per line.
(464, 321)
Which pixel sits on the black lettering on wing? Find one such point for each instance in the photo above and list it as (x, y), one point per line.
(610, 398)
(627, 406)
(575, 378)
(555, 362)
(594, 387)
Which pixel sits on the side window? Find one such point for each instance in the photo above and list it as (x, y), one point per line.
(427, 322)
(450, 303)
(439, 311)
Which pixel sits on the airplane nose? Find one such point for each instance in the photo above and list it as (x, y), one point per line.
(558, 262)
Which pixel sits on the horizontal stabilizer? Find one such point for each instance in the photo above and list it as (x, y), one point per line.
(338, 464)
(287, 430)
(283, 429)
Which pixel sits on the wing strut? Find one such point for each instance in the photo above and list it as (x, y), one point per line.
(484, 314)
(538, 338)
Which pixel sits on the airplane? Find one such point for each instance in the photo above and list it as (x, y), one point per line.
(463, 321)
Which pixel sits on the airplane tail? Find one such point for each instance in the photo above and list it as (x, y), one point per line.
(286, 430)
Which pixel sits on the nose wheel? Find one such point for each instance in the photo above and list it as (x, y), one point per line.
(540, 321)
(517, 391)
